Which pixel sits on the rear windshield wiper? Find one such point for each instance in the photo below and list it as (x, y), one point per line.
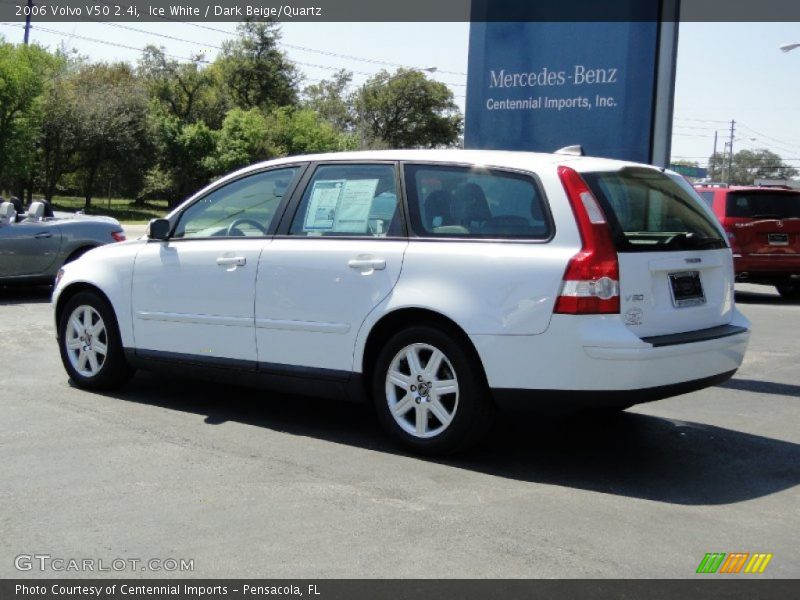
(690, 240)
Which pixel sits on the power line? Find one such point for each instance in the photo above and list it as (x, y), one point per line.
(772, 147)
(91, 39)
(205, 44)
(161, 35)
(693, 135)
(779, 146)
(769, 144)
(364, 59)
(374, 61)
(702, 120)
(695, 127)
(782, 142)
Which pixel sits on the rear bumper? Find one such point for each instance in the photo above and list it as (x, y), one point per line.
(767, 265)
(516, 400)
(581, 360)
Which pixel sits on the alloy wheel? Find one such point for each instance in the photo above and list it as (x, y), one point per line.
(422, 390)
(86, 341)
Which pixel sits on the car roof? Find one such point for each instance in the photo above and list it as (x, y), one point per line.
(486, 158)
(524, 161)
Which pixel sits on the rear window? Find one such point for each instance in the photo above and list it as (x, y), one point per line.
(763, 205)
(647, 211)
(458, 202)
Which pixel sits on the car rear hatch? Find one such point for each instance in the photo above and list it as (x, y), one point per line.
(675, 267)
(764, 221)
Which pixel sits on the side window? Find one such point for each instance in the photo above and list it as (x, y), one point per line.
(245, 207)
(350, 200)
(479, 203)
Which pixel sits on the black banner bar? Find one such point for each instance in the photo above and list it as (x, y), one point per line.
(710, 587)
(53, 11)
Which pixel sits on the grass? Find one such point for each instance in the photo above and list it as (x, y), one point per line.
(122, 209)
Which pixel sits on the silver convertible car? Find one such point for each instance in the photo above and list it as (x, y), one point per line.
(34, 244)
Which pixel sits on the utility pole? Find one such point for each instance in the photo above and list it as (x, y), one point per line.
(713, 161)
(28, 21)
(730, 156)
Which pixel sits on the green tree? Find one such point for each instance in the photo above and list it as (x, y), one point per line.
(407, 110)
(254, 71)
(183, 89)
(332, 100)
(243, 139)
(23, 73)
(183, 152)
(59, 134)
(749, 165)
(303, 131)
(250, 136)
(111, 113)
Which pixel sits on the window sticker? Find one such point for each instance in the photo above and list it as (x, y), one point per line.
(340, 205)
(355, 202)
(325, 196)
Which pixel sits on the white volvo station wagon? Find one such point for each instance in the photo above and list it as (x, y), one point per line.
(438, 285)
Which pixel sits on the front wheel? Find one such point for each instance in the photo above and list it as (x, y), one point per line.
(789, 290)
(90, 344)
(430, 392)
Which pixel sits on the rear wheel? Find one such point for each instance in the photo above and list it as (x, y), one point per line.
(789, 290)
(430, 392)
(90, 344)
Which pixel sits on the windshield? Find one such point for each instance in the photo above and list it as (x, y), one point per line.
(647, 211)
(760, 204)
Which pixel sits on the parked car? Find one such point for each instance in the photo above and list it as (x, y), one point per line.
(763, 225)
(33, 246)
(497, 279)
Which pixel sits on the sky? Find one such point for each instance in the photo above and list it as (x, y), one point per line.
(726, 71)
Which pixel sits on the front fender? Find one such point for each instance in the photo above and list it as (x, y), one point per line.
(110, 270)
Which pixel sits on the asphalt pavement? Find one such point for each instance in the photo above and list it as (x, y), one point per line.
(249, 484)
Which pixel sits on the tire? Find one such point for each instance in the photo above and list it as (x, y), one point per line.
(422, 419)
(790, 291)
(86, 327)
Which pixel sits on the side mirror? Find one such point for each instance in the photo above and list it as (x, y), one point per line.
(158, 229)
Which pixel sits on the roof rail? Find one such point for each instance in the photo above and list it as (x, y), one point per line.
(712, 184)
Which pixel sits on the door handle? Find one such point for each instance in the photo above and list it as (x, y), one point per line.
(376, 264)
(231, 261)
(43, 235)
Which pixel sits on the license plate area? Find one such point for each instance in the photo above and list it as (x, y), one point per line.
(778, 239)
(687, 289)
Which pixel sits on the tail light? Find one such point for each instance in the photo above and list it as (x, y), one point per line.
(118, 236)
(591, 281)
(730, 232)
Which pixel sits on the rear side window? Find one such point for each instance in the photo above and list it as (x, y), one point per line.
(453, 202)
(351, 200)
(648, 211)
(763, 205)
